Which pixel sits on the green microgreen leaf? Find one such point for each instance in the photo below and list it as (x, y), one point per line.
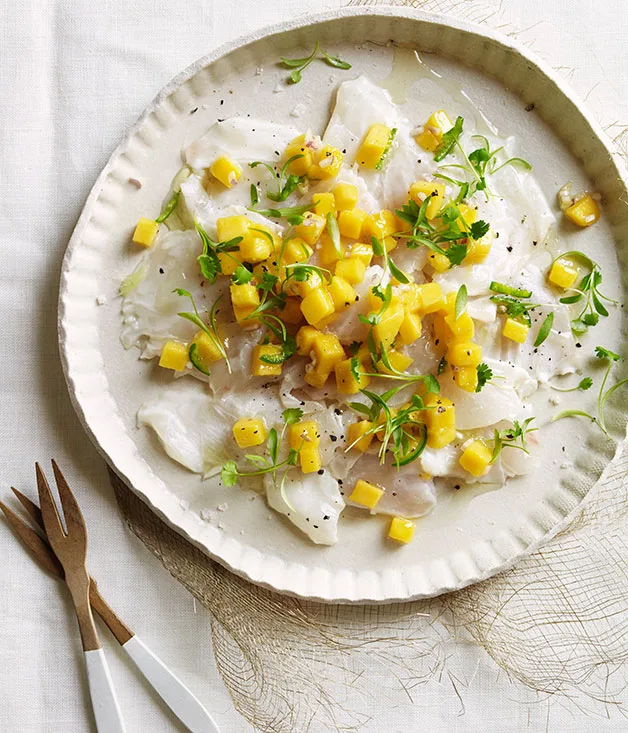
(450, 138)
(545, 329)
(485, 374)
(169, 207)
(391, 138)
(461, 301)
(241, 276)
(298, 65)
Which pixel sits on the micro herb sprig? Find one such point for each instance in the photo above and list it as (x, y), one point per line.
(587, 291)
(391, 139)
(229, 473)
(169, 207)
(399, 427)
(299, 65)
(211, 331)
(514, 437)
(286, 183)
(485, 374)
(447, 238)
(301, 272)
(209, 261)
(603, 394)
(293, 214)
(479, 163)
(509, 300)
(379, 250)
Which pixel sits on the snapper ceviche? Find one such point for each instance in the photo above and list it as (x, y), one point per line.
(362, 317)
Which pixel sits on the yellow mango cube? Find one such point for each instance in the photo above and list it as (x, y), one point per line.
(306, 432)
(327, 352)
(431, 298)
(261, 368)
(226, 170)
(380, 225)
(249, 432)
(439, 262)
(401, 530)
(352, 270)
(468, 215)
(309, 459)
(387, 329)
(464, 353)
(411, 327)
(296, 250)
(300, 166)
(345, 196)
(327, 252)
(229, 262)
(411, 297)
(479, 249)
(420, 190)
(351, 223)
(398, 361)
(358, 435)
(317, 305)
(371, 152)
(515, 330)
(244, 295)
(466, 378)
(432, 134)
(242, 313)
(363, 252)
(342, 293)
(291, 312)
(255, 247)
(563, 274)
(305, 338)
(230, 227)
(327, 163)
(440, 437)
(584, 212)
(145, 232)
(441, 412)
(174, 355)
(366, 494)
(461, 328)
(207, 349)
(324, 203)
(311, 228)
(346, 383)
(476, 458)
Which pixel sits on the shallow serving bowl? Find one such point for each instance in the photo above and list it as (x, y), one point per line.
(470, 535)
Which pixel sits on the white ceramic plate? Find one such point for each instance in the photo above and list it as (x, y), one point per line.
(469, 536)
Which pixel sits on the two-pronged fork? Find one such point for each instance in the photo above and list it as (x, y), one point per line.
(180, 700)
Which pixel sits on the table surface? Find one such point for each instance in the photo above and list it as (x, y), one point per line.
(74, 76)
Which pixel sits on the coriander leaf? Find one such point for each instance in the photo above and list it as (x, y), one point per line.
(355, 368)
(431, 384)
(292, 415)
(585, 383)
(479, 229)
(602, 353)
(545, 329)
(590, 319)
(456, 254)
(461, 301)
(485, 374)
(229, 473)
(291, 460)
(241, 276)
(450, 138)
(210, 266)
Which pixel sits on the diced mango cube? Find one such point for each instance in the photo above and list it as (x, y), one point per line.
(242, 313)
(441, 412)
(346, 383)
(230, 227)
(440, 437)
(249, 432)
(468, 215)
(351, 223)
(411, 298)
(420, 190)
(358, 435)
(584, 212)
(145, 232)
(398, 361)
(342, 293)
(401, 530)
(174, 355)
(373, 146)
(306, 336)
(366, 494)
(438, 123)
(345, 196)
(309, 459)
(296, 250)
(351, 269)
(388, 327)
(466, 378)
(311, 228)
(226, 170)
(229, 262)
(300, 166)
(207, 348)
(291, 312)
(439, 262)
(261, 368)
(317, 305)
(380, 225)
(363, 252)
(328, 352)
(461, 328)
(327, 252)
(515, 330)
(255, 247)
(479, 249)
(410, 329)
(306, 432)
(464, 353)
(476, 458)
(563, 274)
(244, 295)
(324, 203)
(327, 163)
(305, 287)
(431, 298)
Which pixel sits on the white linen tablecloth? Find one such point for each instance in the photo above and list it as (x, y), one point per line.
(74, 75)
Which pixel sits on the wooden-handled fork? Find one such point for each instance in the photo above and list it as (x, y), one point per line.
(178, 697)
